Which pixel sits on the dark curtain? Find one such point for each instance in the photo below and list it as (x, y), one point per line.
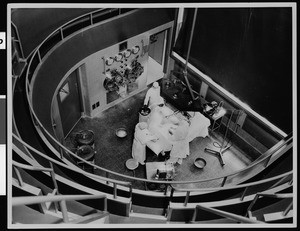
(248, 51)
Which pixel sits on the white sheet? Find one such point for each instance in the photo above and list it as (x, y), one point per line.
(199, 126)
(174, 132)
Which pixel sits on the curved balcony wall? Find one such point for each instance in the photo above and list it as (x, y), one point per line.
(88, 41)
(42, 22)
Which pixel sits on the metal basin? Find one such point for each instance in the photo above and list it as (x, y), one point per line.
(121, 132)
(200, 162)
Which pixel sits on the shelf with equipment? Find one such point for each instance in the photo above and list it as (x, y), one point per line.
(215, 113)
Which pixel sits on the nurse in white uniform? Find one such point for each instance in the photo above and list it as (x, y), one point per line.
(153, 97)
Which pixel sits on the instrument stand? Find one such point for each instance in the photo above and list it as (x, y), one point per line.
(218, 153)
(222, 148)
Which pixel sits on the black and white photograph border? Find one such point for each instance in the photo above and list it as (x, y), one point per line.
(218, 82)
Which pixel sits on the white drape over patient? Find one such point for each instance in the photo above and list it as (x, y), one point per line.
(141, 137)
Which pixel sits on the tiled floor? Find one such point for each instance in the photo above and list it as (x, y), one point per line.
(112, 152)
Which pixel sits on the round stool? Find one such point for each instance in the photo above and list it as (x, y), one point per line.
(87, 153)
(132, 164)
(85, 137)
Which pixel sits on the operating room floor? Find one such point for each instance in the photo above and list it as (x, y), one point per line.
(112, 151)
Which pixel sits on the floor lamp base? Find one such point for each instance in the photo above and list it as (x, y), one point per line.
(218, 153)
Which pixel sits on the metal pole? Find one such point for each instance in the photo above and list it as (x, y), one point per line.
(52, 173)
(188, 56)
(64, 211)
(106, 175)
(39, 55)
(172, 193)
(279, 182)
(21, 183)
(285, 212)
(115, 190)
(252, 203)
(61, 151)
(226, 131)
(91, 18)
(268, 160)
(61, 34)
(224, 180)
(166, 189)
(244, 193)
(130, 192)
(186, 198)
(190, 41)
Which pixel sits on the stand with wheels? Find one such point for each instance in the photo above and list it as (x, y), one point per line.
(224, 148)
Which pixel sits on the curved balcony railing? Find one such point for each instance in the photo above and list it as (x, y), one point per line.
(37, 56)
(61, 199)
(279, 179)
(270, 185)
(51, 170)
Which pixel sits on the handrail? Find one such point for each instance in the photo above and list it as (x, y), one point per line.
(69, 167)
(198, 190)
(246, 186)
(39, 124)
(122, 175)
(30, 167)
(283, 175)
(271, 195)
(51, 161)
(231, 216)
(17, 165)
(206, 189)
(29, 200)
(17, 33)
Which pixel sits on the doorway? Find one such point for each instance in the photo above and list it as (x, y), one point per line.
(69, 102)
(157, 49)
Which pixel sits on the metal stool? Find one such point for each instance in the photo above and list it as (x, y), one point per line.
(85, 137)
(132, 164)
(87, 153)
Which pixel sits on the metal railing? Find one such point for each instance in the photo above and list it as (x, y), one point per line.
(272, 195)
(62, 203)
(53, 161)
(279, 180)
(62, 148)
(231, 216)
(167, 183)
(61, 199)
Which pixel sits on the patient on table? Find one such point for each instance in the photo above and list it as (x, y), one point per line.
(171, 132)
(174, 134)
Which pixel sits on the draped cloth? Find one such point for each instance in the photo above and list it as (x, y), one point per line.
(141, 136)
(181, 148)
(198, 126)
(168, 131)
(157, 125)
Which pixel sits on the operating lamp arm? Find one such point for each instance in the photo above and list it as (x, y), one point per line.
(188, 55)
